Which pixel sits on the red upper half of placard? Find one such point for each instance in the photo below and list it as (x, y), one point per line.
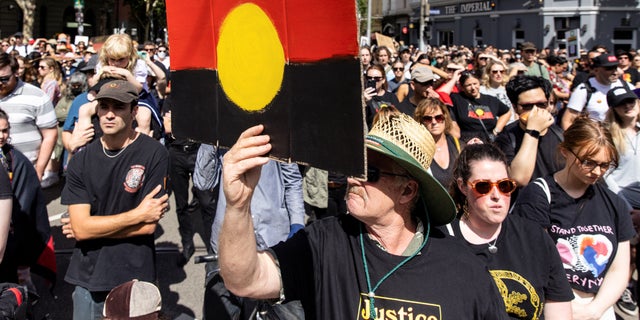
(308, 30)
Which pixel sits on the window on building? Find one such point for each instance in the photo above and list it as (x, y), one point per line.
(518, 37)
(623, 38)
(445, 37)
(477, 37)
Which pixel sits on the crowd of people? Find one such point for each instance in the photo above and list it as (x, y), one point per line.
(559, 142)
(511, 173)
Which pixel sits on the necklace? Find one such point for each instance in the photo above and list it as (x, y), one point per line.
(104, 150)
(371, 294)
(492, 246)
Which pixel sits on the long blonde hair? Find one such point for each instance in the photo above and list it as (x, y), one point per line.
(486, 75)
(55, 73)
(613, 123)
(119, 46)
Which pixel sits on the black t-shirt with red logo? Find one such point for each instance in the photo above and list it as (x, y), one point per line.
(112, 185)
(468, 112)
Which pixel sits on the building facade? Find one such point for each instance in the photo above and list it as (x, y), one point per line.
(507, 23)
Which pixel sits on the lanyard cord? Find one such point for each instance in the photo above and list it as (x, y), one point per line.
(371, 293)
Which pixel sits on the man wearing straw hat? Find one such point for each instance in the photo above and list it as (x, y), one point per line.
(385, 259)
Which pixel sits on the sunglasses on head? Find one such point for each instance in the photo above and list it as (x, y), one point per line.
(373, 174)
(5, 79)
(439, 118)
(529, 106)
(376, 79)
(484, 186)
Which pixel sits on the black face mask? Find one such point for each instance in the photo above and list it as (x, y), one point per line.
(76, 91)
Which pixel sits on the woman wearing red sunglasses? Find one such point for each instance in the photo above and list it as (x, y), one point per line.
(590, 225)
(520, 256)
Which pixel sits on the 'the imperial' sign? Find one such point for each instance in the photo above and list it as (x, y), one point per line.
(470, 7)
(478, 6)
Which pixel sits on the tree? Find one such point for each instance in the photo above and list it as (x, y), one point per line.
(28, 13)
(150, 15)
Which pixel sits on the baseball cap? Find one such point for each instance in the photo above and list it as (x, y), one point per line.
(605, 60)
(422, 74)
(91, 64)
(528, 46)
(133, 299)
(618, 95)
(120, 90)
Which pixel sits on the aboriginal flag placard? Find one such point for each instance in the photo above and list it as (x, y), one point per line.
(288, 64)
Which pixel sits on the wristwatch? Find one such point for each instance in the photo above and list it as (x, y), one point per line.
(533, 133)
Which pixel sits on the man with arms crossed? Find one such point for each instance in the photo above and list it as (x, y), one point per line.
(116, 194)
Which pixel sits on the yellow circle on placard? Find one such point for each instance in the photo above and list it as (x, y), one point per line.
(250, 57)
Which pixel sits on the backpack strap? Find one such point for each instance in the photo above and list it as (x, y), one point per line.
(542, 183)
(450, 229)
(590, 90)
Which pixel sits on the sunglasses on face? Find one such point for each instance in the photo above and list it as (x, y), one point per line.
(589, 165)
(373, 174)
(529, 106)
(162, 50)
(497, 71)
(483, 58)
(428, 119)
(611, 68)
(150, 50)
(42, 67)
(5, 79)
(376, 79)
(484, 186)
(424, 84)
(398, 69)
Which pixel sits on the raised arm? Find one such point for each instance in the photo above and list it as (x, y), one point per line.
(524, 162)
(246, 272)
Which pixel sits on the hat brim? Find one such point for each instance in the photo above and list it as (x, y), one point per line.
(439, 205)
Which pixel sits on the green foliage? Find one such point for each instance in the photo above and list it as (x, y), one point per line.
(145, 10)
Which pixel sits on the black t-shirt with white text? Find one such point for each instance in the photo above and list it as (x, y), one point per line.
(323, 268)
(586, 230)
